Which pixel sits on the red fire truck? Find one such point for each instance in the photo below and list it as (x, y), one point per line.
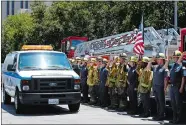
(68, 45)
(183, 40)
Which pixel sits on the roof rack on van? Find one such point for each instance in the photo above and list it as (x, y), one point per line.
(36, 47)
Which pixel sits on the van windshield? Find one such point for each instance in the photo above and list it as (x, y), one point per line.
(43, 60)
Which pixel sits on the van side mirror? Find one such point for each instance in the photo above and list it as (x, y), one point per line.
(10, 68)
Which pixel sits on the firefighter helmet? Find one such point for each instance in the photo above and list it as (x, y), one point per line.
(85, 59)
(133, 59)
(123, 55)
(177, 53)
(78, 58)
(160, 56)
(105, 60)
(99, 58)
(145, 59)
(93, 59)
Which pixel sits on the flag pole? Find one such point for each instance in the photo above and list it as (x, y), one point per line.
(142, 22)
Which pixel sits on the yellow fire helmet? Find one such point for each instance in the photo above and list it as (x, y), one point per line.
(116, 58)
(133, 59)
(160, 56)
(177, 53)
(93, 60)
(145, 59)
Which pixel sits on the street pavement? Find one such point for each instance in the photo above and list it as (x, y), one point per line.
(61, 115)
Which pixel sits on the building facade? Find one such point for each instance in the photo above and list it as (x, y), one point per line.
(14, 7)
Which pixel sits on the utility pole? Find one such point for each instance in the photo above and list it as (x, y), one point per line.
(175, 15)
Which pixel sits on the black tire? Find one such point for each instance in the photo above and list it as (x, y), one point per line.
(18, 106)
(6, 97)
(74, 107)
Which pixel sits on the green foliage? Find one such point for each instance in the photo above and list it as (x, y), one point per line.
(16, 32)
(49, 25)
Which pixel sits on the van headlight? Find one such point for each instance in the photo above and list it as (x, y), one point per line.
(26, 88)
(77, 87)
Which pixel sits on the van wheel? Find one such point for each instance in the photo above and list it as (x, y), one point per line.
(6, 97)
(17, 103)
(74, 107)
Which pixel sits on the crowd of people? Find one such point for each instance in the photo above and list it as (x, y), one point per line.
(110, 82)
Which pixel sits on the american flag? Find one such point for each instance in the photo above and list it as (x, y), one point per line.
(139, 41)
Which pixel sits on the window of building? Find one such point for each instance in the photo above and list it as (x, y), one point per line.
(21, 4)
(12, 7)
(7, 8)
(26, 4)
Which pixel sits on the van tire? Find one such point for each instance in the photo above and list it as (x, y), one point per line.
(74, 107)
(18, 106)
(6, 97)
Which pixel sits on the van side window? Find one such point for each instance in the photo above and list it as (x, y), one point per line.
(15, 62)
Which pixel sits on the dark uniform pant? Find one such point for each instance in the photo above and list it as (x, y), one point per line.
(92, 92)
(176, 102)
(145, 98)
(122, 97)
(113, 97)
(133, 100)
(103, 95)
(84, 91)
(160, 99)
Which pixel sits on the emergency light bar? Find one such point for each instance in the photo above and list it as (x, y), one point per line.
(36, 47)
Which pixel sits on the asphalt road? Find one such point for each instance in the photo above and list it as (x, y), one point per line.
(61, 115)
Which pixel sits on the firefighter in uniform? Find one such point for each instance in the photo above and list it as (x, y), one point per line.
(132, 80)
(121, 83)
(111, 83)
(159, 81)
(83, 76)
(177, 86)
(77, 65)
(144, 87)
(103, 90)
(92, 80)
(99, 66)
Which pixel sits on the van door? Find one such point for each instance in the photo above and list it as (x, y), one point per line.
(13, 78)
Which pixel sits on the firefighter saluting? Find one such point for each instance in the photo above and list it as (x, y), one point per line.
(177, 82)
(111, 83)
(132, 80)
(121, 82)
(145, 84)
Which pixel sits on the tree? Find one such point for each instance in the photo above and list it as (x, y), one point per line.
(16, 32)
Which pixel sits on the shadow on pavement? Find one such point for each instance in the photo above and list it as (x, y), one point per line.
(36, 110)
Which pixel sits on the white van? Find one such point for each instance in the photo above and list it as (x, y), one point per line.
(40, 77)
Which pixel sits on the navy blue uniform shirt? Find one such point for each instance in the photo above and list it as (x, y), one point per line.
(159, 74)
(176, 74)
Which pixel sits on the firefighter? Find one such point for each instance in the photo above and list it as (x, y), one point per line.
(92, 80)
(144, 87)
(121, 83)
(77, 65)
(111, 83)
(83, 75)
(99, 66)
(132, 80)
(159, 80)
(103, 90)
(177, 86)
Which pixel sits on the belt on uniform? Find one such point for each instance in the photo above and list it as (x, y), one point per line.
(144, 85)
